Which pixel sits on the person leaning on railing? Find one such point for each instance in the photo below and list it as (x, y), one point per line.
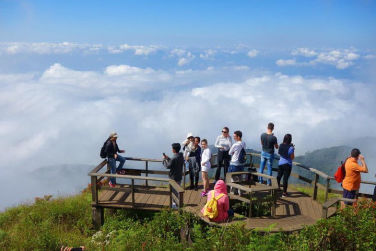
(112, 151)
(351, 182)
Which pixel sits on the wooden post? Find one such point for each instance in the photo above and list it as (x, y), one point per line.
(324, 213)
(133, 200)
(274, 198)
(327, 189)
(315, 186)
(147, 172)
(181, 199)
(170, 195)
(97, 216)
(94, 189)
(250, 205)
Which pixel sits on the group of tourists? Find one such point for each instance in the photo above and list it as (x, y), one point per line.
(196, 155)
(230, 157)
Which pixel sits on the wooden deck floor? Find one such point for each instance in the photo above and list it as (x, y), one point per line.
(293, 212)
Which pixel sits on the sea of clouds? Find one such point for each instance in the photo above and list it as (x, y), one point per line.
(61, 114)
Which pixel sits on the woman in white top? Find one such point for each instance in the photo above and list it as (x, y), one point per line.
(223, 144)
(205, 165)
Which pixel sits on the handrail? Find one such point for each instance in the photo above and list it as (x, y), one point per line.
(315, 182)
(176, 192)
(143, 159)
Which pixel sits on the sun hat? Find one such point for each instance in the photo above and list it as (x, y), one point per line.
(189, 135)
(113, 135)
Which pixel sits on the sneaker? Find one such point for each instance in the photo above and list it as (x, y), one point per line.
(174, 206)
(196, 188)
(284, 195)
(203, 194)
(191, 187)
(111, 185)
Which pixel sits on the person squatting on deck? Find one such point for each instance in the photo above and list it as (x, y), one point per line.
(175, 163)
(205, 166)
(223, 203)
(286, 153)
(351, 182)
(268, 142)
(223, 144)
(112, 151)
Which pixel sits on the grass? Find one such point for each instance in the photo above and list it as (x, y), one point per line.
(49, 224)
(309, 191)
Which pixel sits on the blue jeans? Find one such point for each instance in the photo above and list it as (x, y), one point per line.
(112, 164)
(266, 158)
(233, 168)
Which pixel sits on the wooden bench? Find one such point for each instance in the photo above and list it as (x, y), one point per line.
(333, 202)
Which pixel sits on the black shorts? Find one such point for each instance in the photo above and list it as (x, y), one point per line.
(349, 195)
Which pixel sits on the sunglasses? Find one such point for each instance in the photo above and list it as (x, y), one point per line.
(224, 132)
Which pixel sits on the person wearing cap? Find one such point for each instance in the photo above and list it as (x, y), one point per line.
(189, 149)
(112, 151)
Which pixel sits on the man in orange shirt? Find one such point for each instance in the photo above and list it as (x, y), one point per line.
(351, 182)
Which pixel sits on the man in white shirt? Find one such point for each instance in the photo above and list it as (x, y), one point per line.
(235, 164)
(223, 143)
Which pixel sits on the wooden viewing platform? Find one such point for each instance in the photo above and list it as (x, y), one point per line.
(154, 194)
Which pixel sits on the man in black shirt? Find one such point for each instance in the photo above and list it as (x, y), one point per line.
(268, 142)
(112, 151)
(175, 163)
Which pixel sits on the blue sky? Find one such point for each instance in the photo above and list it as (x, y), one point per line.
(272, 24)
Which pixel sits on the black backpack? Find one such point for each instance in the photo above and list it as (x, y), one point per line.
(242, 156)
(103, 153)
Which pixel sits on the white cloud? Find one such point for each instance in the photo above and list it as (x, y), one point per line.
(208, 54)
(115, 70)
(253, 53)
(64, 110)
(306, 52)
(47, 48)
(342, 59)
(184, 56)
(285, 62)
(137, 49)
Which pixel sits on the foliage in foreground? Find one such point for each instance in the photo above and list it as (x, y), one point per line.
(47, 225)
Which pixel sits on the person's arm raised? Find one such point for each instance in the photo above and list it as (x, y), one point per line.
(364, 164)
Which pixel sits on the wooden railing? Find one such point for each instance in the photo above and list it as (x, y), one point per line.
(176, 192)
(136, 171)
(246, 194)
(314, 182)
